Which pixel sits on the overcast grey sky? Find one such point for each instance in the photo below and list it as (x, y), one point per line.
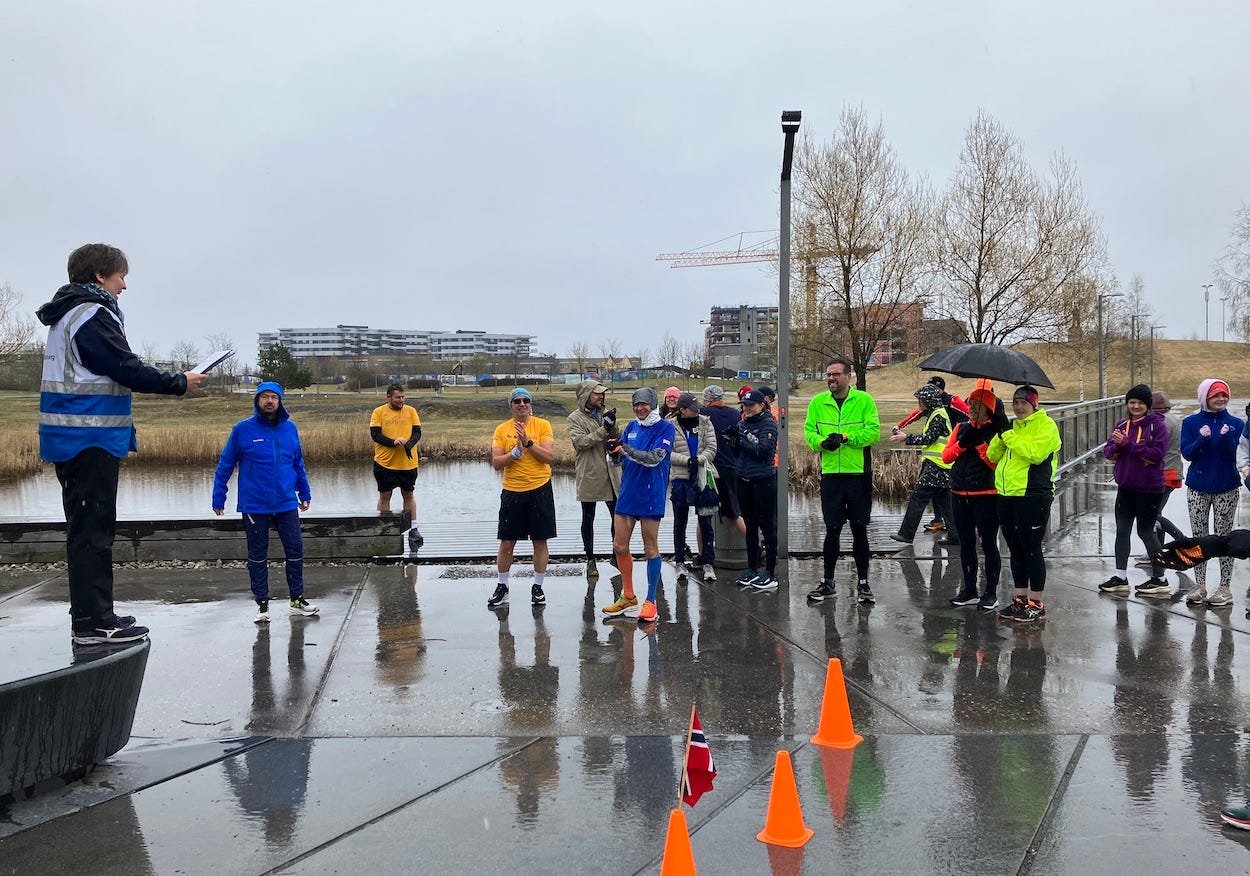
(516, 167)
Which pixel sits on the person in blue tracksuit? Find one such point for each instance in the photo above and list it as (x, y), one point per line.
(645, 447)
(272, 486)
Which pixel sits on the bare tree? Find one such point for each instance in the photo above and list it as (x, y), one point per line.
(669, 351)
(16, 328)
(611, 351)
(579, 352)
(864, 254)
(1010, 243)
(644, 356)
(695, 358)
(1232, 275)
(229, 369)
(151, 355)
(184, 354)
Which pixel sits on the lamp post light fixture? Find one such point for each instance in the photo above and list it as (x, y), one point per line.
(790, 121)
(1102, 387)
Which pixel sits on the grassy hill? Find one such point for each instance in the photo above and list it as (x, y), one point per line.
(1179, 366)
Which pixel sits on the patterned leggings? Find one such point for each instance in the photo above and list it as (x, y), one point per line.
(1200, 507)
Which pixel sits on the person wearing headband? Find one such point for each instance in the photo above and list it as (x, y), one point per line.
(1026, 455)
(1209, 440)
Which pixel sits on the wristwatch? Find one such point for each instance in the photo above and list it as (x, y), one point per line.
(529, 443)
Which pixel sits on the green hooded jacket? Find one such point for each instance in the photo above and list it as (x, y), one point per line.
(1027, 456)
(856, 418)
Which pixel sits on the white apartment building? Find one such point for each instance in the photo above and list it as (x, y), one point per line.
(360, 340)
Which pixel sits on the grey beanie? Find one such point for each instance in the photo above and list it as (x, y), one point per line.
(645, 395)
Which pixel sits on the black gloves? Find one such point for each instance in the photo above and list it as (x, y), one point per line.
(693, 467)
(833, 442)
(612, 444)
(999, 420)
(968, 436)
(609, 419)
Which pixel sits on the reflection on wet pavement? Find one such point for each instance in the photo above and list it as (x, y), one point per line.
(409, 729)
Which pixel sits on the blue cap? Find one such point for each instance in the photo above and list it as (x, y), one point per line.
(520, 392)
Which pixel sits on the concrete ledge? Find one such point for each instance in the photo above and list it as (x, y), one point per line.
(59, 724)
(325, 538)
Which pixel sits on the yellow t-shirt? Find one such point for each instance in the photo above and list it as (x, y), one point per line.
(395, 424)
(527, 473)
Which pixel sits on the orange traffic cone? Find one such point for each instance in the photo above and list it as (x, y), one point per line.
(784, 825)
(835, 728)
(678, 855)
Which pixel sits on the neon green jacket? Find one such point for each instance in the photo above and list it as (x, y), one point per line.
(856, 419)
(1027, 456)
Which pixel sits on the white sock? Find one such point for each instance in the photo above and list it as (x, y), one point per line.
(503, 578)
(538, 578)
(1122, 573)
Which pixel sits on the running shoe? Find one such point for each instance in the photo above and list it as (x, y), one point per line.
(1154, 587)
(1220, 598)
(301, 606)
(764, 581)
(709, 573)
(863, 593)
(1196, 595)
(988, 602)
(826, 589)
(1114, 584)
(935, 525)
(1012, 610)
(262, 612)
(537, 597)
(622, 605)
(682, 571)
(747, 578)
(966, 597)
(499, 597)
(1032, 611)
(648, 612)
(110, 635)
(1236, 816)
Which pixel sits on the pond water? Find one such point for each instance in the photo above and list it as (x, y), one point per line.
(446, 491)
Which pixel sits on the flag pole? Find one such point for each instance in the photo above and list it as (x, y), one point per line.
(685, 757)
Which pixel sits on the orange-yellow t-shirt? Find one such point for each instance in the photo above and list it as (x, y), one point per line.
(395, 424)
(527, 473)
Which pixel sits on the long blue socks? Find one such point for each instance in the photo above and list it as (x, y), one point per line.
(653, 577)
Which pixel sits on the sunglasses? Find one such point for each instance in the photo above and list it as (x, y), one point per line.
(520, 401)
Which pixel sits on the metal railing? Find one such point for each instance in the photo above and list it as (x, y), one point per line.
(1084, 427)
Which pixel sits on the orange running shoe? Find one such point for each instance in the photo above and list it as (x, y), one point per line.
(648, 612)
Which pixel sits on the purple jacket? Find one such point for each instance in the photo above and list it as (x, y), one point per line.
(1139, 460)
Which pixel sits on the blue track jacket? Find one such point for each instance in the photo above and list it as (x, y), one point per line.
(644, 478)
(271, 464)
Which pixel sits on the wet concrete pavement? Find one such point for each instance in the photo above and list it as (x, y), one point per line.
(411, 730)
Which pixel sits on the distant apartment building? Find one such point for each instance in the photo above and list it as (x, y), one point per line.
(352, 341)
(735, 335)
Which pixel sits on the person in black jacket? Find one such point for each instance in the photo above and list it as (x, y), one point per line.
(757, 489)
(86, 429)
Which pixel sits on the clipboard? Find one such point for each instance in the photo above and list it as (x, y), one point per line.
(212, 360)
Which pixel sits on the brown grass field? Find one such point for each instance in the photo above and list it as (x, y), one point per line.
(458, 425)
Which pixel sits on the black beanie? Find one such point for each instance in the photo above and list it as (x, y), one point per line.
(1142, 393)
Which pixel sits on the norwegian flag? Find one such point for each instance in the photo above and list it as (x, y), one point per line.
(698, 770)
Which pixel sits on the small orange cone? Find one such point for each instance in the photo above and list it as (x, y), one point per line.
(784, 825)
(678, 855)
(835, 728)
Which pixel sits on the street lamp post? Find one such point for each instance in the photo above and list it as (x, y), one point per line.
(1206, 304)
(1102, 387)
(790, 120)
(1152, 353)
(1223, 315)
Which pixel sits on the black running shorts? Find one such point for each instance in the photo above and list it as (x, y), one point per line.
(390, 479)
(531, 514)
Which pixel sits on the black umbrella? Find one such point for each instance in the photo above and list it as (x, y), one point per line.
(987, 360)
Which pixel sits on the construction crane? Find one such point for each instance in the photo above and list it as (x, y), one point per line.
(705, 255)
